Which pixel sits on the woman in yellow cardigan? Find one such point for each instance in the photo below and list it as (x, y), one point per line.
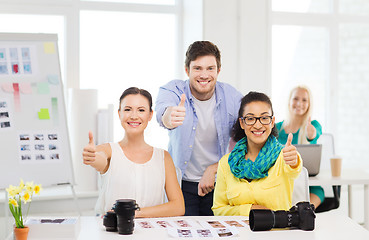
(255, 175)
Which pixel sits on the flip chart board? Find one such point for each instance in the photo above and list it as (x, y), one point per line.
(34, 141)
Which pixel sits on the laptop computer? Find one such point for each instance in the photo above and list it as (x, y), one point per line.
(311, 155)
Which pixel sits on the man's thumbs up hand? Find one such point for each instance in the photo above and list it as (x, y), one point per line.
(175, 115)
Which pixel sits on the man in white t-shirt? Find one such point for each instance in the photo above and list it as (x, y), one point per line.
(199, 114)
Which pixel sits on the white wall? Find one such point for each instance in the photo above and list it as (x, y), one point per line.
(240, 29)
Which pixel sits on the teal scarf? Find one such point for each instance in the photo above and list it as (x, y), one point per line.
(242, 168)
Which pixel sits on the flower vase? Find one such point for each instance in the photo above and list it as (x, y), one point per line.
(21, 233)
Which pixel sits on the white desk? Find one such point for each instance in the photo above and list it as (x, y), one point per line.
(348, 177)
(327, 226)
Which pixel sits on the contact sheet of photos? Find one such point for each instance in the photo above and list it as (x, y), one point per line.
(194, 229)
(39, 146)
(15, 60)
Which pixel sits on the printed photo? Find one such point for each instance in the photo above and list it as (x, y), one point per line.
(216, 224)
(234, 223)
(224, 232)
(184, 233)
(40, 157)
(204, 233)
(24, 137)
(5, 124)
(163, 224)
(25, 157)
(26, 54)
(54, 156)
(4, 115)
(2, 54)
(3, 105)
(39, 147)
(27, 68)
(25, 148)
(145, 224)
(3, 68)
(13, 53)
(38, 137)
(15, 68)
(52, 147)
(183, 223)
(53, 136)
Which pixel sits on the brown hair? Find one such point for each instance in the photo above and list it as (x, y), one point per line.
(202, 48)
(135, 91)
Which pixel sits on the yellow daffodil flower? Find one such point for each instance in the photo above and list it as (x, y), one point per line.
(30, 186)
(26, 197)
(21, 184)
(13, 202)
(12, 191)
(37, 188)
(23, 192)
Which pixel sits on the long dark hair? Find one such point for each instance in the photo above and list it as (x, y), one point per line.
(135, 91)
(237, 132)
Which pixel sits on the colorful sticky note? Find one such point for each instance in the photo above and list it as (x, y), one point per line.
(49, 47)
(7, 87)
(25, 88)
(53, 79)
(54, 108)
(44, 113)
(16, 97)
(43, 88)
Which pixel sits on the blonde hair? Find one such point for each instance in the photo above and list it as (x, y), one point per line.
(302, 133)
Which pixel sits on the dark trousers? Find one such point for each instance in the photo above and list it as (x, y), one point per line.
(195, 204)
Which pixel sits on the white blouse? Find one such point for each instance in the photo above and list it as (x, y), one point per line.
(144, 183)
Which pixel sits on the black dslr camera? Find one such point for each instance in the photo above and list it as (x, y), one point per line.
(301, 216)
(122, 218)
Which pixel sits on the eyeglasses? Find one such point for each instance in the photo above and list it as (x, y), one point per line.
(265, 120)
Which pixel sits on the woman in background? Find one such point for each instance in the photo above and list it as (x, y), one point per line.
(133, 169)
(256, 174)
(304, 130)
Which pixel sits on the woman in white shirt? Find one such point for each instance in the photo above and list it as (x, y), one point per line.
(133, 169)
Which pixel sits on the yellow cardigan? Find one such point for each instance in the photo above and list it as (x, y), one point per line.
(234, 196)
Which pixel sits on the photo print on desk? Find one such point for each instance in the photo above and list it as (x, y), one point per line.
(163, 224)
(217, 224)
(197, 233)
(145, 224)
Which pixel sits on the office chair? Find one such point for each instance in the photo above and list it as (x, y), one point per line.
(301, 188)
(329, 203)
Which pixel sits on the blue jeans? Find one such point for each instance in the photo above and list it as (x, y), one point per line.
(195, 204)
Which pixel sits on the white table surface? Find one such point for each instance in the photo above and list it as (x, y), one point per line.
(348, 177)
(329, 225)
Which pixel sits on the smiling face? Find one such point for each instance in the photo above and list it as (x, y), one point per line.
(203, 73)
(134, 113)
(299, 102)
(257, 134)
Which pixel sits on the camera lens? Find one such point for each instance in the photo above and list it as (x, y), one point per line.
(300, 216)
(110, 221)
(261, 219)
(125, 210)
